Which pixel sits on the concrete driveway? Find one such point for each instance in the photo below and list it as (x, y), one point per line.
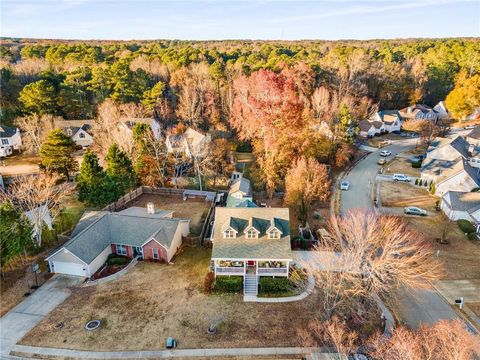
(454, 289)
(23, 317)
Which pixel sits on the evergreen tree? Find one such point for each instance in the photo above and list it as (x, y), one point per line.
(15, 233)
(151, 96)
(120, 169)
(39, 97)
(346, 125)
(94, 187)
(56, 154)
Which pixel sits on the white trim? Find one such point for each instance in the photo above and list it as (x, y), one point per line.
(155, 250)
(146, 242)
(68, 251)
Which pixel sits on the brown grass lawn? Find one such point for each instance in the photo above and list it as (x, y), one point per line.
(196, 210)
(154, 301)
(475, 307)
(397, 194)
(401, 166)
(460, 256)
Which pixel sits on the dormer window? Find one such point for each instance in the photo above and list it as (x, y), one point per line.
(69, 132)
(274, 234)
(81, 136)
(251, 234)
(229, 234)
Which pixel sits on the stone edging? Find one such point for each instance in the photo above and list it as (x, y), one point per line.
(303, 295)
(113, 276)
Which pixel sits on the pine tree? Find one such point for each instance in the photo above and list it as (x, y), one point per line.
(56, 154)
(94, 187)
(346, 125)
(15, 233)
(120, 169)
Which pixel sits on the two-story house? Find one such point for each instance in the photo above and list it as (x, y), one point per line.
(419, 112)
(10, 139)
(251, 242)
(191, 142)
(80, 135)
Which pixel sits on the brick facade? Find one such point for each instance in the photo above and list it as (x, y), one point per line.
(148, 251)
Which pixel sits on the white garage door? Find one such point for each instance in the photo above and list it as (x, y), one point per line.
(69, 268)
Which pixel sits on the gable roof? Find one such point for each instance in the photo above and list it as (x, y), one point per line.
(364, 125)
(458, 144)
(389, 116)
(7, 131)
(242, 184)
(243, 248)
(463, 201)
(475, 133)
(142, 212)
(115, 228)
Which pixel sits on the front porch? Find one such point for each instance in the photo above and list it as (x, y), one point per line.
(242, 267)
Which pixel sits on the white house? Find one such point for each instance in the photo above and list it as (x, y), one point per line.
(441, 110)
(39, 217)
(134, 232)
(473, 137)
(461, 205)
(419, 112)
(251, 243)
(370, 128)
(390, 118)
(10, 139)
(80, 135)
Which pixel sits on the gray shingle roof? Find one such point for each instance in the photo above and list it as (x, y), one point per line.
(115, 228)
(461, 145)
(364, 125)
(242, 185)
(243, 248)
(463, 201)
(142, 212)
(475, 133)
(7, 131)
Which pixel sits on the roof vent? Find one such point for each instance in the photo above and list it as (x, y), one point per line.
(150, 208)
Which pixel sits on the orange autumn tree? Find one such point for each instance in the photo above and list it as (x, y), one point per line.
(268, 112)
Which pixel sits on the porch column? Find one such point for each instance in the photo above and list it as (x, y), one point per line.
(256, 267)
(244, 268)
(215, 267)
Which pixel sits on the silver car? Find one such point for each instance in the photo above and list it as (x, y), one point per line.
(345, 185)
(413, 210)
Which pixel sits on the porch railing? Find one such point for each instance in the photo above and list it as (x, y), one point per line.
(230, 270)
(272, 271)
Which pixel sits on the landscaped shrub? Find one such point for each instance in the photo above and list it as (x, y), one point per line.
(117, 260)
(417, 165)
(275, 285)
(472, 236)
(229, 284)
(416, 181)
(466, 226)
(432, 188)
(208, 283)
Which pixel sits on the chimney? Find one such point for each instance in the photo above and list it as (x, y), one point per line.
(150, 208)
(471, 149)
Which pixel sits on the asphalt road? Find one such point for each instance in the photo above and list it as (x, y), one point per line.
(415, 306)
(362, 177)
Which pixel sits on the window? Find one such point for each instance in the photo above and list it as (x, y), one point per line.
(229, 234)
(274, 234)
(81, 135)
(4, 141)
(155, 253)
(69, 132)
(121, 250)
(251, 234)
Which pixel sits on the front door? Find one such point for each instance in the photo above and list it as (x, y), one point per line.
(138, 251)
(251, 267)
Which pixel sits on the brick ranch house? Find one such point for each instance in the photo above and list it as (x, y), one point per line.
(133, 232)
(251, 242)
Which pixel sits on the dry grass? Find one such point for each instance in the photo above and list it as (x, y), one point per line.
(154, 301)
(460, 256)
(475, 307)
(401, 166)
(397, 194)
(196, 210)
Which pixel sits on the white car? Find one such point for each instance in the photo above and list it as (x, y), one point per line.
(401, 177)
(385, 153)
(345, 185)
(413, 210)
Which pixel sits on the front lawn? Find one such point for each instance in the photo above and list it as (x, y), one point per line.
(401, 166)
(397, 194)
(154, 301)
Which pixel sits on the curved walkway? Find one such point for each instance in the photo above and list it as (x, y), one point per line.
(112, 277)
(303, 295)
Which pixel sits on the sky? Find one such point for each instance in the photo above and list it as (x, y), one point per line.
(248, 19)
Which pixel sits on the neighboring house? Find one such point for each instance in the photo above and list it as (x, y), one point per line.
(133, 232)
(419, 112)
(323, 129)
(251, 242)
(80, 135)
(10, 139)
(461, 205)
(442, 111)
(450, 149)
(191, 142)
(370, 128)
(473, 137)
(39, 217)
(390, 118)
(240, 193)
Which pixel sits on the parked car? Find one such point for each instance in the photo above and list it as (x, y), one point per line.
(385, 153)
(5, 151)
(413, 210)
(401, 177)
(418, 158)
(469, 127)
(345, 185)
(382, 161)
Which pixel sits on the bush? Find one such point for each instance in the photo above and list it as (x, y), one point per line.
(466, 226)
(117, 260)
(208, 283)
(417, 165)
(275, 285)
(416, 181)
(472, 236)
(229, 284)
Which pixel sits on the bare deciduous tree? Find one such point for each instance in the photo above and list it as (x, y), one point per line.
(34, 130)
(41, 195)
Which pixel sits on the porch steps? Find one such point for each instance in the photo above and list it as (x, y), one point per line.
(250, 286)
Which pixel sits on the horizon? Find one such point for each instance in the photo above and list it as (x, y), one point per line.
(93, 20)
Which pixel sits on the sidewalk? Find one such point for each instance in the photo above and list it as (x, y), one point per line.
(159, 354)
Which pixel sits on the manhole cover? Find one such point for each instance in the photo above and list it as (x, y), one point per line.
(92, 325)
(59, 325)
